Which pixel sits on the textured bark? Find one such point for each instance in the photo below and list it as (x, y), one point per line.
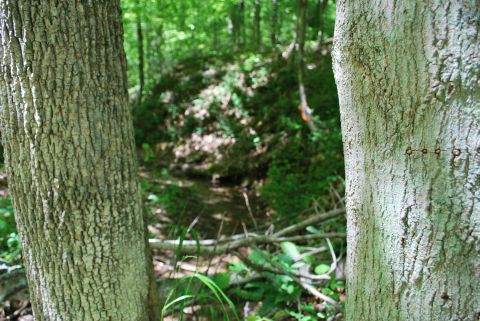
(70, 159)
(408, 77)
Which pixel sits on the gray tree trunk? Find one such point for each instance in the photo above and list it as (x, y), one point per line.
(70, 159)
(408, 77)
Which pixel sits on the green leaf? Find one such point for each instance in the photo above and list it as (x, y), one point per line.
(322, 269)
(153, 198)
(289, 288)
(179, 299)
(256, 258)
(307, 308)
(313, 230)
(281, 314)
(222, 280)
(290, 249)
(237, 267)
(218, 293)
(196, 237)
(298, 265)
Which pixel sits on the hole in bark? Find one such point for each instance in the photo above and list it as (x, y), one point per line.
(451, 88)
(438, 151)
(424, 151)
(445, 296)
(456, 152)
(409, 151)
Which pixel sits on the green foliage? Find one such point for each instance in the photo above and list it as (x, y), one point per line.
(174, 30)
(201, 289)
(10, 248)
(290, 249)
(305, 164)
(322, 269)
(278, 292)
(285, 188)
(203, 83)
(172, 198)
(148, 153)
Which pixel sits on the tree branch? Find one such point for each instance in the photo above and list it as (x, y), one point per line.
(236, 241)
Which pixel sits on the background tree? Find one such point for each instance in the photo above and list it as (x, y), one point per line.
(319, 33)
(407, 74)
(141, 57)
(71, 160)
(274, 23)
(301, 27)
(257, 31)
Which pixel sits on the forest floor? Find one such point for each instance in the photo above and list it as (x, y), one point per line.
(216, 210)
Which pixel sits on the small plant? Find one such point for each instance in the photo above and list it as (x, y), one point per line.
(148, 153)
(204, 292)
(10, 249)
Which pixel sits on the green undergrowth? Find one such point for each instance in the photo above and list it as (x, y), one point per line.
(10, 248)
(236, 118)
(272, 292)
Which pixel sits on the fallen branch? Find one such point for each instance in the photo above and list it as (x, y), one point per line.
(310, 221)
(237, 241)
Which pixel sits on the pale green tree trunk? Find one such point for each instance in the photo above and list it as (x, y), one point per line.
(70, 159)
(408, 78)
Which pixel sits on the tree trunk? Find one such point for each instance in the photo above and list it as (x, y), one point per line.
(305, 110)
(408, 76)
(274, 26)
(241, 23)
(257, 33)
(215, 31)
(141, 58)
(71, 161)
(238, 20)
(321, 8)
(233, 26)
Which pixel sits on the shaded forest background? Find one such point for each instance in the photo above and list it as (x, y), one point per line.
(237, 126)
(220, 102)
